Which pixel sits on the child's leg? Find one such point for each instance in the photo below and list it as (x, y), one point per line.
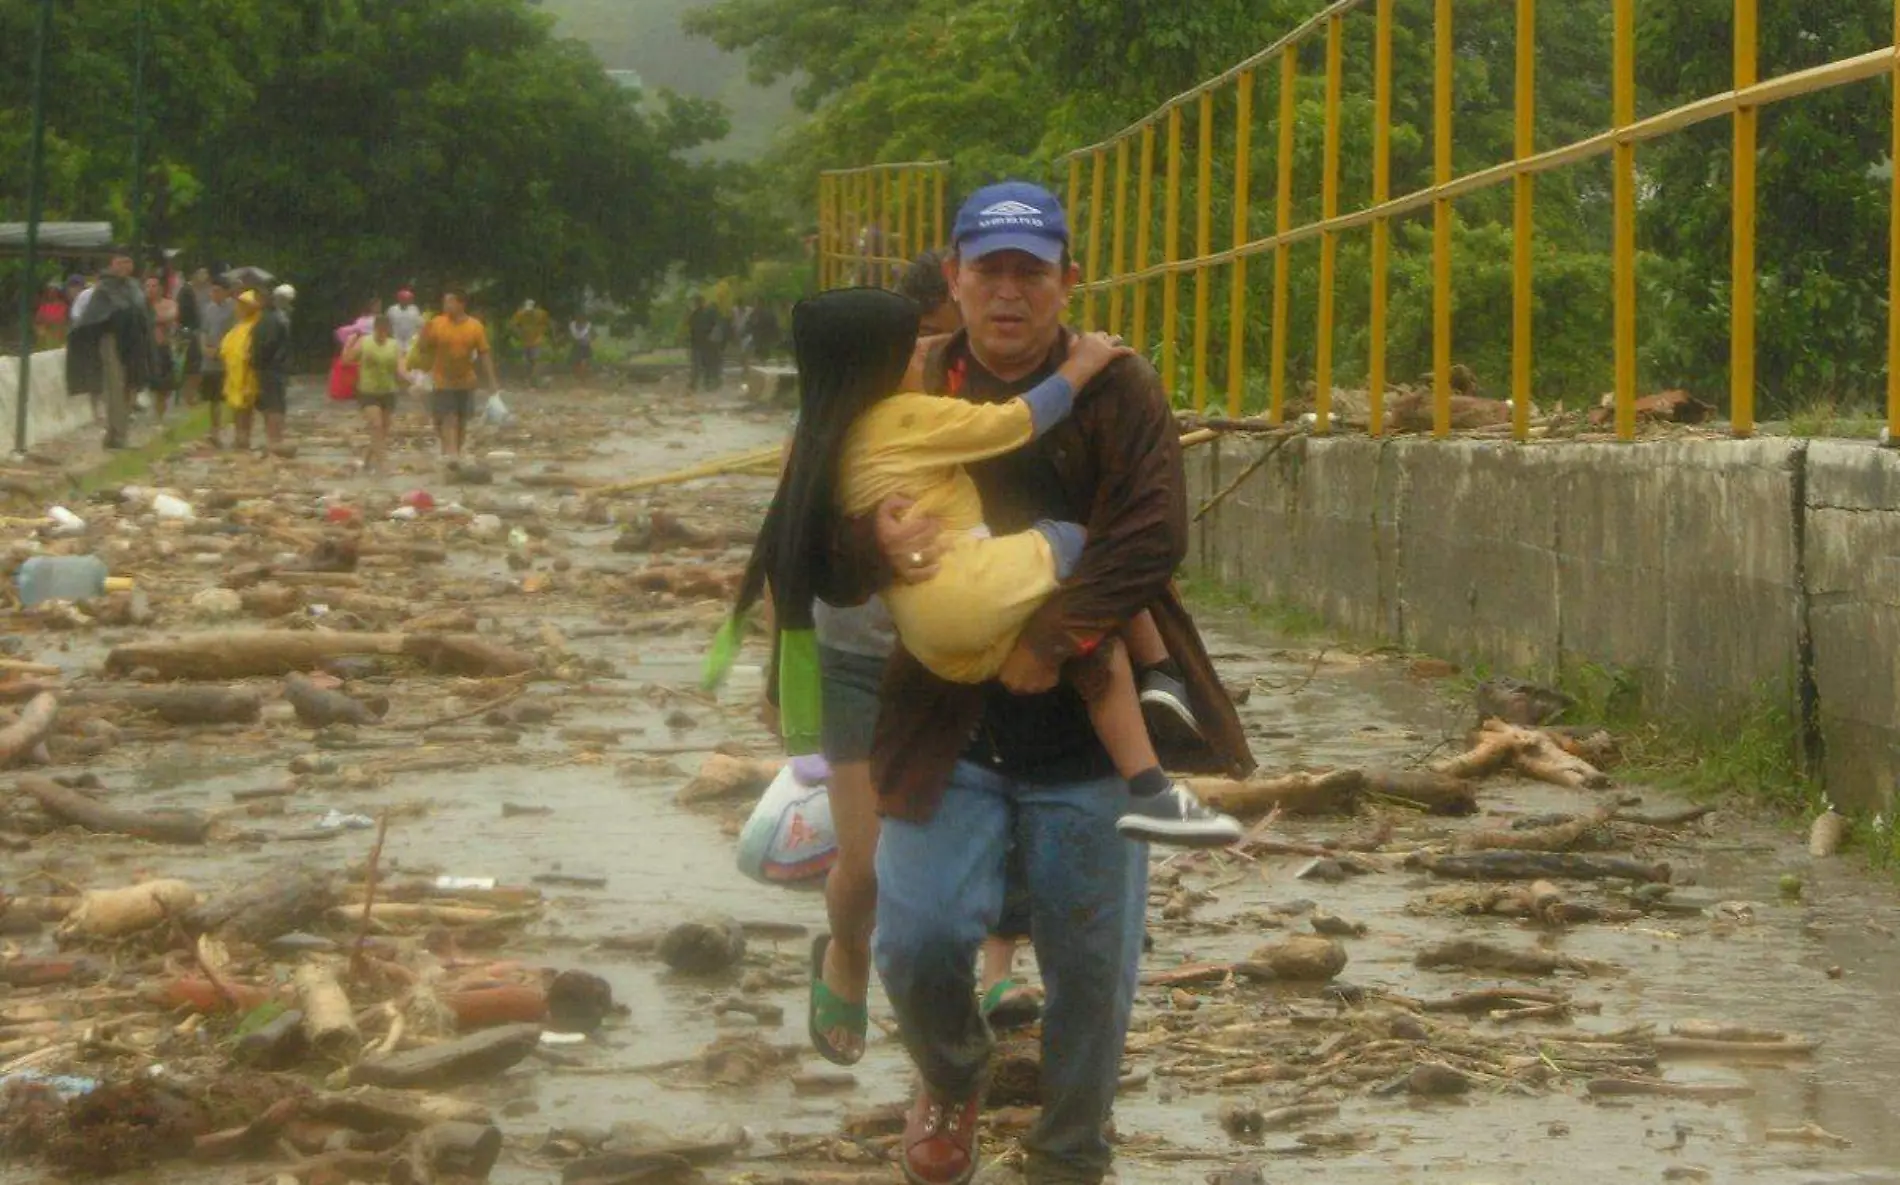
(1115, 710)
(1160, 810)
(1145, 647)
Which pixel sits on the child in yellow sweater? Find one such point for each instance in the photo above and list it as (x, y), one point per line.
(964, 621)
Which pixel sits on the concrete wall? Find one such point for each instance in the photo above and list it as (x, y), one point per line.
(49, 412)
(1716, 572)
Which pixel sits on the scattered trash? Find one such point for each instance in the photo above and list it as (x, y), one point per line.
(64, 522)
(45, 578)
(335, 820)
(172, 507)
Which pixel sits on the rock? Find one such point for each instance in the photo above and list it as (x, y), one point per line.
(703, 947)
(578, 1001)
(1298, 959)
(216, 604)
(1517, 702)
(1242, 1120)
(1323, 869)
(1432, 1080)
(1334, 926)
(271, 600)
(450, 1063)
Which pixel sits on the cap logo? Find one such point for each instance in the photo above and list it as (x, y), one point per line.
(1011, 209)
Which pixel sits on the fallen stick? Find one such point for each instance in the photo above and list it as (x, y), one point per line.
(1434, 792)
(70, 806)
(451, 1063)
(1700, 1047)
(20, 738)
(369, 896)
(243, 654)
(713, 468)
(22, 667)
(1558, 838)
(1488, 999)
(289, 899)
(178, 705)
(1678, 818)
(111, 913)
(1544, 866)
(1807, 1133)
(1483, 956)
(319, 707)
(1334, 793)
(1252, 468)
(1709, 1030)
(1701, 1092)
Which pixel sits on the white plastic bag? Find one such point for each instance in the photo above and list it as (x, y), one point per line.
(790, 840)
(495, 413)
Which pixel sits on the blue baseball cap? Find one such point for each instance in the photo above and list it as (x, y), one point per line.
(1011, 216)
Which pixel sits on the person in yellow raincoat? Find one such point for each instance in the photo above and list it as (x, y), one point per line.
(240, 375)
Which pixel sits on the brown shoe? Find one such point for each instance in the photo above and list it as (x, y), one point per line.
(940, 1141)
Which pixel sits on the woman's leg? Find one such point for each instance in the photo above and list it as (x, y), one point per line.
(851, 891)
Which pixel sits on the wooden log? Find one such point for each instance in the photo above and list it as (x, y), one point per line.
(451, 1063)
(70, 806)
(1699, 1047)
(243, 654)
(1333, 793)
(1558, 838)
(374, 1109)
(1709, 1030)
(1188, 974)
(1701, 1092)
(626, 1168)
(486, 1007)
(111, 913)
(722, 776)
(1484, 956)
(1494, 751)
(1488, 999)
(1502, 866)
(179, 705)
(1435, 792)
(320, 707)
(289, 899)
(329, 1023)
(466, 654)
(459, 1151)
(20, 738)
(252, 1139)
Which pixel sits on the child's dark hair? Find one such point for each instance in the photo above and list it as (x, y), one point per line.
(852, 347)
(923, 281)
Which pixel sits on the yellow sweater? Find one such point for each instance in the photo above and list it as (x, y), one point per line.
(963, 622)
(240, 377)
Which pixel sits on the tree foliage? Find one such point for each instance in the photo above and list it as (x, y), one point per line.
(1007, 86)
(354, 144)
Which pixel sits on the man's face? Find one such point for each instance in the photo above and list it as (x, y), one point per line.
(121, 265)
(1012, 305)
(453, 306)
(220, 293)
(201, 277)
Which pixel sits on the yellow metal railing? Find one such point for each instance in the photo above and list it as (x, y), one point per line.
(873, 220)
(864, 212)
(1114, 274)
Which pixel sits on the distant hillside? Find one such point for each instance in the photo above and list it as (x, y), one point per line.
(645, 36)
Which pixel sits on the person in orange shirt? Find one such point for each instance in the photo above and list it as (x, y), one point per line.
(449, 346)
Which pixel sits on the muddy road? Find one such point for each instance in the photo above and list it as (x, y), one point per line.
(583, 790)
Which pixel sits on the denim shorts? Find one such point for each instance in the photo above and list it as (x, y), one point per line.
(849, 697)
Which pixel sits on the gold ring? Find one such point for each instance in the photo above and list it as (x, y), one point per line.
(916, 559)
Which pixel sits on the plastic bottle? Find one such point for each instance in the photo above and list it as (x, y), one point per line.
(60, 578)
(65, 522)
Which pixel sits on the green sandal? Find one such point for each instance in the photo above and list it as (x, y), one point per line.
(1010, 1005)
(827, 1011)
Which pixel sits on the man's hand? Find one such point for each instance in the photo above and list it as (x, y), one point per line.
(1026, 673)
(910, 546)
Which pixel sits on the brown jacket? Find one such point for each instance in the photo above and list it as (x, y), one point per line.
(1119, 454)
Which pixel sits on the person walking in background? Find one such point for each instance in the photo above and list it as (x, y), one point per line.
(580, 332)
(765, 332)
(214, 322)
(705, 341)
(193, 297)
(530, 325)
(50, 319)
(109, 349)
(450, 346)
(238, 352)
(378, 360)
(405, 319)
(270, 355)
(164, 377)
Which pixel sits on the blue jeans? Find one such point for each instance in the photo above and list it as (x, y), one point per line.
(941, 889)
